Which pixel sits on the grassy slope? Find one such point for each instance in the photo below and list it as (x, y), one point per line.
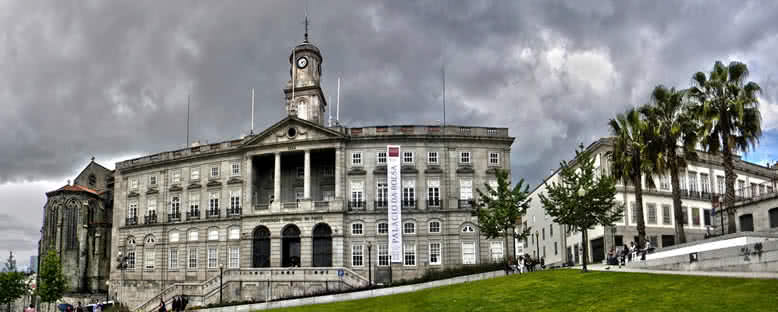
(570, 290)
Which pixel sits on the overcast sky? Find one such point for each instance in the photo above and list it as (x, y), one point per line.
(111, 78)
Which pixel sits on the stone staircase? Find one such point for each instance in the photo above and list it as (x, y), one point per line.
(201, 294)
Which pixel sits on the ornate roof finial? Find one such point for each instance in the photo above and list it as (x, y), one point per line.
(306, 26)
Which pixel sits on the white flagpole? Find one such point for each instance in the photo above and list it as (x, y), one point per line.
(337, 114)
(252, 110)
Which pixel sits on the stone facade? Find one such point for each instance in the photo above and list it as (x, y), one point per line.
(77, 225)
(299, 208)
(700, 185)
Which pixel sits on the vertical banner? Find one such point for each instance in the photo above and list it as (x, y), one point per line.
(394, 202)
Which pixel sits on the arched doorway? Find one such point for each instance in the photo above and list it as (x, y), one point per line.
(322, 245)
(290, 246)
(261, 253)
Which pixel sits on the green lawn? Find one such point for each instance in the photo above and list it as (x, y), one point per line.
(570, 290)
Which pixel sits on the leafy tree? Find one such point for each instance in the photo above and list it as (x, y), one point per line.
(631, 158)
(52, 281)
(728, 108)
(500, 207)
(580, 199)
(12, 283)
(671, 124)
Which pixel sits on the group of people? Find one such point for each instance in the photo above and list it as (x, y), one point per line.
(523, 263)
(178, 304)
(628, 253)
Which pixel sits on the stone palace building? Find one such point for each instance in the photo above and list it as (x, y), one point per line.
(299, 208)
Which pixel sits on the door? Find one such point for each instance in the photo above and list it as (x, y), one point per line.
(290, 249)
(468, 253)
(598, 250)
(497, 251)
(575, 251)
(747, 223)
(261, 248)
(668, 240)
(322, 246)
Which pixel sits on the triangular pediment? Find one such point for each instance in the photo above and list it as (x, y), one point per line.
(292, 129)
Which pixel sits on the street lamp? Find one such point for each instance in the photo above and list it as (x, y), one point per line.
(221, 281)
(107, 290)
(370, 263)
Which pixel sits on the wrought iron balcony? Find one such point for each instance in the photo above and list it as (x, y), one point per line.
(356, 205)
(409, 204)
(150, 219)
(232, 212)
(193, 215)
(132, 220)
(433, 203)
(466, 203)
(381, 204)
(213, 214)
(174, 217)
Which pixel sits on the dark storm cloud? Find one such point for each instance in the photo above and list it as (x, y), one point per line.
(111, 79)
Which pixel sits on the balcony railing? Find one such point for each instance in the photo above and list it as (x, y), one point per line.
(291, 205)
(261, 206)
(466, 203)
(409, 204)
(150, 219)
(173, 217)
(356, 205)
(193, 215)
(132, 220)
(381, 204)
(232, 212)
(213, 214)
(321, 204)
(433, 203)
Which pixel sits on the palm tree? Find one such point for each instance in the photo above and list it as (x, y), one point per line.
(670, 124)
(630, 158)
(728, 109)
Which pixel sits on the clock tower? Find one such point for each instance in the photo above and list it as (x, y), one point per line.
(303, 94)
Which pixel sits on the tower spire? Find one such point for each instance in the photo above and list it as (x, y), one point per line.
(306, 26)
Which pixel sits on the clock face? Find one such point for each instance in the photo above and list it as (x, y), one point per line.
(302, 62)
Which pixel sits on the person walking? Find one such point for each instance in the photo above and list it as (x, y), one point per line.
(162, 305)
(31, 308)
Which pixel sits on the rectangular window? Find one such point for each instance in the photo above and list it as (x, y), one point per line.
(328, 171)
(409, 193)
(213, 203)
(194, 204)
(692, 181)
(433, 193)
(468, 253)
(465, 189)
(194, 174)
(173, 237)
(667, 215)
(356, 255)
(761, 189)
(382, 193)
(753, 190)
(432, 158)
(132, 210)
(193, 257)
(494, 158)
(408, 157)
(409, 228)
(551, 230)
(234, 202)
(409, 254)
(664, 182)
(685, 215)
(235, 168)
(464, 157)
(383, 228)
(706, 214)
(741, 188)
(153, 180)
(651, 207)
(633, 213)
(134, 184)
(357, 194)
(434, 252)
(234, 258)
(175, 206)
(556, 249)
(769, 189)
(149, 255)
(234, 233)
(173, 258)
(131, 259)
(696, 216)
(212, 258)
(682, 181)
(176, 179)
(356, 229)
(383, 254)
(705, 183)
(356, 159)
(434, 227)
(151, 206)
(193, 236)
(213, 234)
(721, 182)
(214, 172)
(381, 158)
(496, 250)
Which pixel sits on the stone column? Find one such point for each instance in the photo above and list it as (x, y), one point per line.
(277, 183)
(307, 175)
(249, 198)
(338, 173)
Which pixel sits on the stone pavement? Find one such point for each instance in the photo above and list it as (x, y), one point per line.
(615, 268)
